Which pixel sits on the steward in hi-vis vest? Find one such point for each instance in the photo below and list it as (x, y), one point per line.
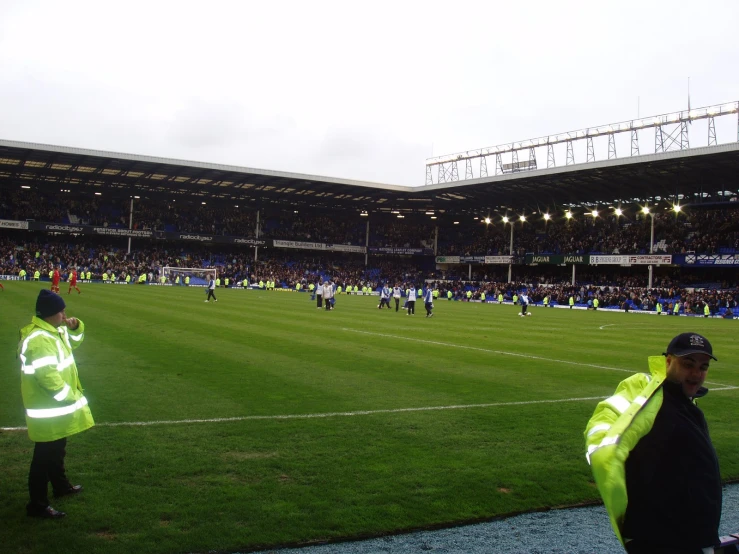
(652, 458)
(52, 397)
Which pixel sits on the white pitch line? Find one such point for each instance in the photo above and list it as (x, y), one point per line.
(342, 414)
(516, 354)
(604, 326)
(331, 414)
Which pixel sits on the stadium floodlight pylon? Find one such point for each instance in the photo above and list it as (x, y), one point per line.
(670, 130)
(198, 275)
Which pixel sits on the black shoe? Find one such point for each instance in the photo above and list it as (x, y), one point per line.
(44, 513)
(73, 489)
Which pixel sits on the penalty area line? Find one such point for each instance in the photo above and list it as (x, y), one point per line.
(516, 354)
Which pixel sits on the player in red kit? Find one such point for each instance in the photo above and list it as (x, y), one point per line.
(73, 282)
(55, 281)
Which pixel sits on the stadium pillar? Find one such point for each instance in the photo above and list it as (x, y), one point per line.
(469, 273)
(510, 252)
(436, 239)
(366, 246)
(573, 275)
(651, 251)
(130, 226)
(256, 248)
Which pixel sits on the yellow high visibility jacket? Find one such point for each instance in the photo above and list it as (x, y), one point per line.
(50, 386)
(617, 425)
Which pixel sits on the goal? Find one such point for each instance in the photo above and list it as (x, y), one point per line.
(198, 275)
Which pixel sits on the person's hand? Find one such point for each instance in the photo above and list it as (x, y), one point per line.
(72, 323)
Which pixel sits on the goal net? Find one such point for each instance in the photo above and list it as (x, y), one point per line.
(198, 276)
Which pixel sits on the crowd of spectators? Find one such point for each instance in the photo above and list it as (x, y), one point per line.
(695, 230)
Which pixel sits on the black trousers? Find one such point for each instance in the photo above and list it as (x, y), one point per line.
(328, 303)
(428, 308)
(524, 307)
(210, 293)
(397, 304)
(319, 300)
(411, 306)
(47, 466)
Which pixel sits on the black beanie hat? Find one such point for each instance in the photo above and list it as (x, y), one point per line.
(48, 303)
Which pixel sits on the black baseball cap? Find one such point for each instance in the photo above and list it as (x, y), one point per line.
(689, 343)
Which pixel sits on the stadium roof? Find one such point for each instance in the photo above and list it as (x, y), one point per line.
(699, 174)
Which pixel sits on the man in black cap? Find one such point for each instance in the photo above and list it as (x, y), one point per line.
(53, 399)
(652, 457)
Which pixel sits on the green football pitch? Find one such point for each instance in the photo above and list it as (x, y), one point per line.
(260, 420)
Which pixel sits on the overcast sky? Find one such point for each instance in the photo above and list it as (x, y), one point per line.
(363, 91)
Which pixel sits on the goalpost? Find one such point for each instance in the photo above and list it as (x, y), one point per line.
(198, 275)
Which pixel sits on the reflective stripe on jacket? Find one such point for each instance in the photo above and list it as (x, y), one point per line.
(50, 386)
(617, 425)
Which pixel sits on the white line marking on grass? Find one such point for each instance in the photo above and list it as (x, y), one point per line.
(342, 414)
(604, 326)
(517, 354)
(332, 414)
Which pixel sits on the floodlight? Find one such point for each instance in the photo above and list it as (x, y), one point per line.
(429, 213)
(505, 219)
(645, 209)
(522, 218)
(568, 214)
(619, 212)
(594, 213)
(487, 220)
(677, 208)
(547, 217)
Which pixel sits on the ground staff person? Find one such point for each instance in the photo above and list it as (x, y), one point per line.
(53, 399)
(652, 457)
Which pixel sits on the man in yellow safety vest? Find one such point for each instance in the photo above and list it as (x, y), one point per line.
(52, 397)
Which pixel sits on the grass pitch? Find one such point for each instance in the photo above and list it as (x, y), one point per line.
(265, 421)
